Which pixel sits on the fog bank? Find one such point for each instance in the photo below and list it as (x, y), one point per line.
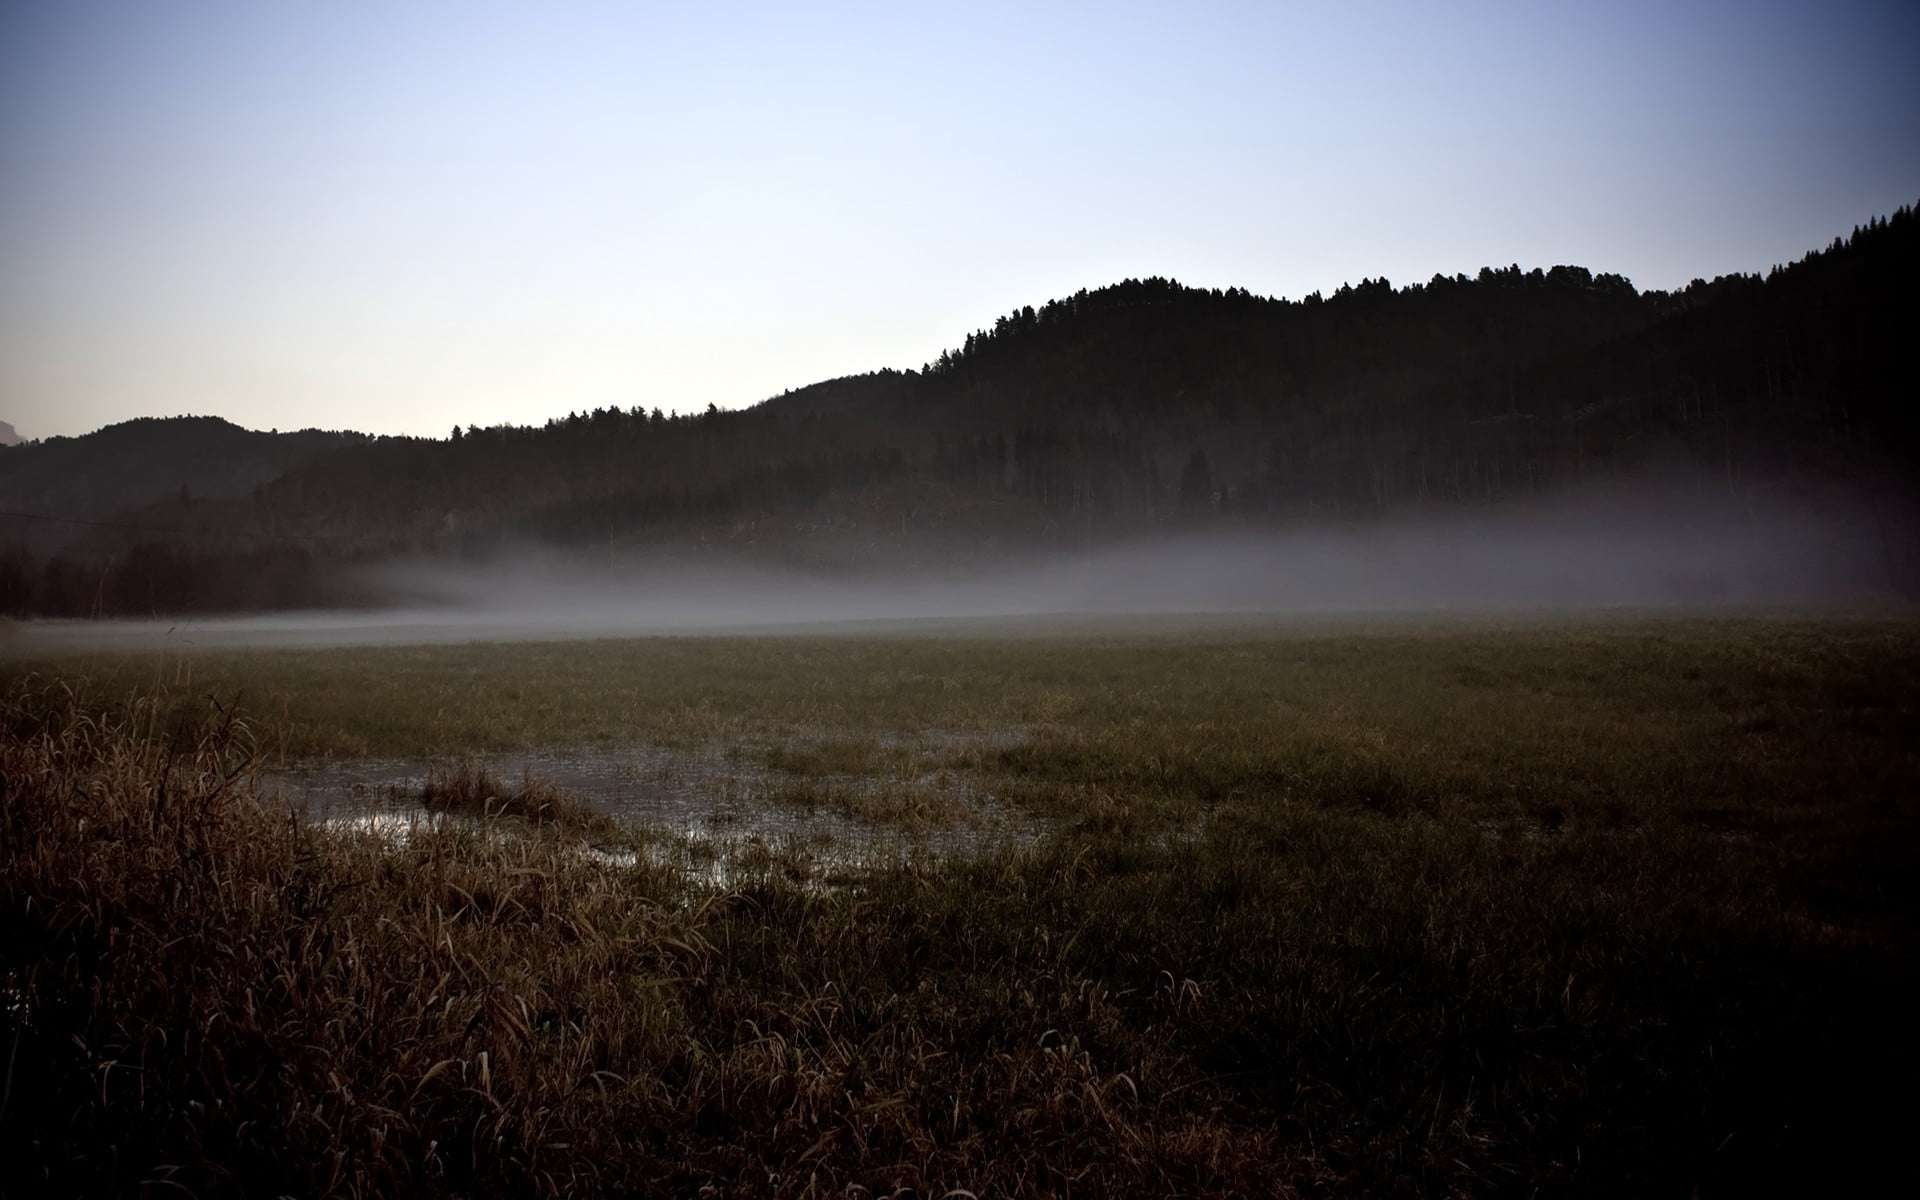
(1623, 552)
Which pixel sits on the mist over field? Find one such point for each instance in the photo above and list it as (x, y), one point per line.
(608, 599)
(1622, 550)
(1626, 551)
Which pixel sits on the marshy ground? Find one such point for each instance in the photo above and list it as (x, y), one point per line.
(1575, 905)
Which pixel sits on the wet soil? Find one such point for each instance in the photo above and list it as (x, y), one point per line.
(721, 803)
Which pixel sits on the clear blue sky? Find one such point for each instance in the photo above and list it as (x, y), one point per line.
(398, 215)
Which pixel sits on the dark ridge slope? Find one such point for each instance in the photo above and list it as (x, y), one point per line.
(158, 464)
(1115, 412)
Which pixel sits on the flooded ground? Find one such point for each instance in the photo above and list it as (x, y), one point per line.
(719, 809)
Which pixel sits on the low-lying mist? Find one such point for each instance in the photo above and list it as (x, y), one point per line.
(1559, 557)
(1623, 551)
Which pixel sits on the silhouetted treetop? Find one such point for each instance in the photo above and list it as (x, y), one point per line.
(1105, 413)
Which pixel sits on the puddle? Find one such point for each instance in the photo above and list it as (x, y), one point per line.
(718, 812)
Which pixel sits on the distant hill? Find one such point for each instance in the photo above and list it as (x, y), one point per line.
(148, 465)
(8, 437)
(1126, 410)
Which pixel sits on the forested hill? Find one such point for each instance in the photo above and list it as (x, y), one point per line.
(107, 474)
(1112, 413)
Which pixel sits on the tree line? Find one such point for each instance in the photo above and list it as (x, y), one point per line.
(1142, 405)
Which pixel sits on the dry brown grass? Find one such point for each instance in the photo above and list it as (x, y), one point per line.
(467, 788)
(208, 996)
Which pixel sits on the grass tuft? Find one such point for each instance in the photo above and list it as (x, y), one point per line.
(469, 789)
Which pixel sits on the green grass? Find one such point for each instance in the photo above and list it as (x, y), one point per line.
(1584, 907)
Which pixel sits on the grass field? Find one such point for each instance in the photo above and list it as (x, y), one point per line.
(1597, 906)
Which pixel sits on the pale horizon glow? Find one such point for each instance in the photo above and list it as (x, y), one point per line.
(401, 217)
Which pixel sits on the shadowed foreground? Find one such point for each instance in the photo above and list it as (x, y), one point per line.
(1233, 967)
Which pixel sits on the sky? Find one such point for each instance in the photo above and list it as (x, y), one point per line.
(402, 215)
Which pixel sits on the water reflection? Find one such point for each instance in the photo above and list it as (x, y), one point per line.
(717, 813)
